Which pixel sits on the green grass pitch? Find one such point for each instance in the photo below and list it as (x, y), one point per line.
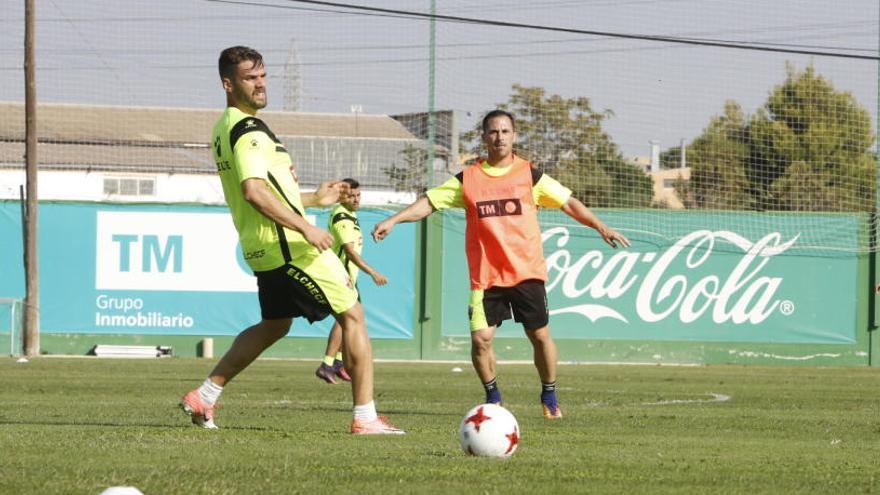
(82, 425)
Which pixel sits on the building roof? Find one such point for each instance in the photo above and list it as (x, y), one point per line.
(99, 123)
(155, 139)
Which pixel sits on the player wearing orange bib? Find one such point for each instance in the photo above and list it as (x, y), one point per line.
(501, 196)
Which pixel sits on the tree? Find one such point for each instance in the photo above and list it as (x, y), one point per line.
(670, 158)
(810, 148)
(685, 192)
(718, 177)
(565, 138)
(806, 149)
(409, 177)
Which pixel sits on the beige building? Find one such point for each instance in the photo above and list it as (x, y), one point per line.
(664, 192)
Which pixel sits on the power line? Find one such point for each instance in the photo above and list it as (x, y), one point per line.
(344, 64)
(785, 28)
(322, 47)
(85, 39)
(402, 15)
(610, 34)
(176, 18)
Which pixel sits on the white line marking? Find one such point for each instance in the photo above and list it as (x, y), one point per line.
(753, 354)
(715, 398)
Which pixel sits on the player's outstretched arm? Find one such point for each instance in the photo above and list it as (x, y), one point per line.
(578, 211)
(412, 213)
(361, 263)
(257, 193)
(327, 193)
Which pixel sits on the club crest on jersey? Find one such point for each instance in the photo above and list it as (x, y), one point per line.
(499, 208)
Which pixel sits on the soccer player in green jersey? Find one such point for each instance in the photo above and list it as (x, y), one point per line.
(297, 274)
(348, 242)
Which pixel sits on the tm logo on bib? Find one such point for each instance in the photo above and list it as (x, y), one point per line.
(499, 208)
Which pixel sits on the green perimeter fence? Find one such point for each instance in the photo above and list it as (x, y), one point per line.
(725, 293)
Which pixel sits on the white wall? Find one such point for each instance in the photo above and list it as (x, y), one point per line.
(89, 186)
(169, 188)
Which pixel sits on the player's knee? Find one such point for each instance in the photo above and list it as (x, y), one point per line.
(539, 336)
(275, 329)
(351, 316)
(481, 343)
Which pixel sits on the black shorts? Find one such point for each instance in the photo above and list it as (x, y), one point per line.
(527, 301)
(288, 292)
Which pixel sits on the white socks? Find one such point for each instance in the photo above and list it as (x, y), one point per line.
(366, 412)
(210, 392)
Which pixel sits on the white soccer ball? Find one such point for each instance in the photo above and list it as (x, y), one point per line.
(489, 430)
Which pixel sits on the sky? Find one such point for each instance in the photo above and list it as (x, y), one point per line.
(163, 53)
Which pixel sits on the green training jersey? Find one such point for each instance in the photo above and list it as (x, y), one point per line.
(245, 148)
(344, 226)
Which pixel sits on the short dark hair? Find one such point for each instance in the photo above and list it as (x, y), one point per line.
(498, 113)
(352, 183)
(234, 55)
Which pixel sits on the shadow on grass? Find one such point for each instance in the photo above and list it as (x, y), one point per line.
(293, 406)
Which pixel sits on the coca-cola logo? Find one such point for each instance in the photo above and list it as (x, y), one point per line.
(740, 295)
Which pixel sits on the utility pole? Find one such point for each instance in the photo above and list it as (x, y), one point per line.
(356, 110)
(682, 157)
(873, 241)
(429, 236)
(432, 111)
(292, 80)
(32, 281)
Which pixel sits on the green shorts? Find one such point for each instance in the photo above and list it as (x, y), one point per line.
(313, 286)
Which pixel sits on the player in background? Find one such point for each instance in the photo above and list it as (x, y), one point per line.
(297, 274)
(501, 195)
(348, 243)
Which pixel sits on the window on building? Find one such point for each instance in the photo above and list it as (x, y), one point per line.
(146, 187)
(129, 186)
(111, 186)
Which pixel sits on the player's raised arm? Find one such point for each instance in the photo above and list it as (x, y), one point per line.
(578, 211)
(327, 193)
(412, 213)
